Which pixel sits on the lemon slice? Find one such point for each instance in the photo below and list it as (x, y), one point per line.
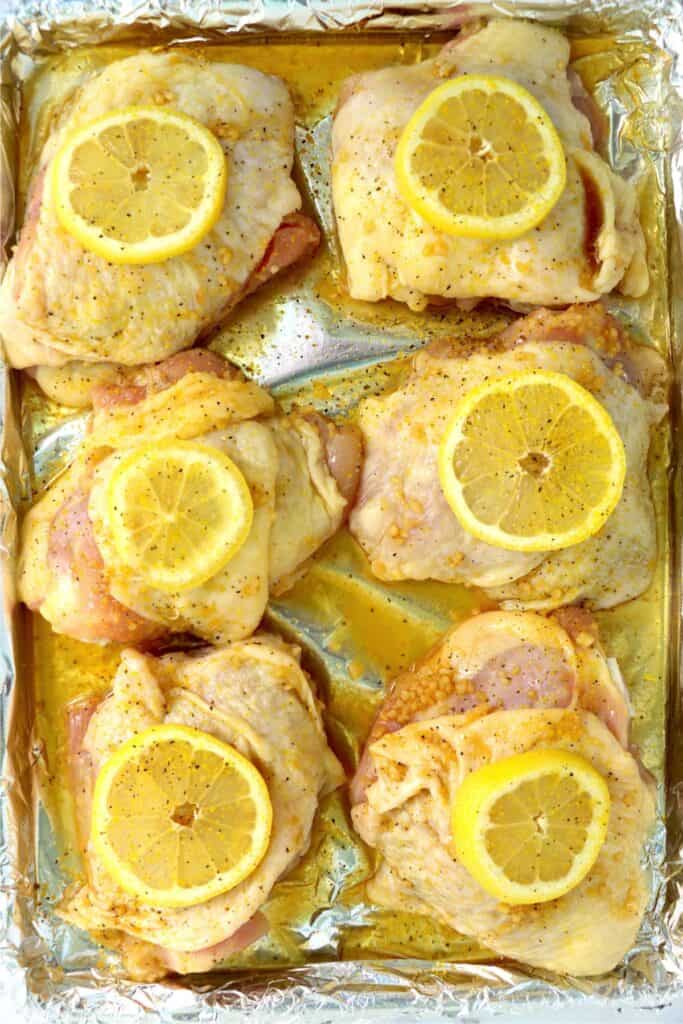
(481, 158)
(530, 827)
(178, 512)
(139, 185)
(179, 817)
(531, 462)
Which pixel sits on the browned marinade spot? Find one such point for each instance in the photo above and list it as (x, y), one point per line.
(594, 216)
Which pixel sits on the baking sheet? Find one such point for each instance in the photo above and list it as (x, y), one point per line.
(303, 338)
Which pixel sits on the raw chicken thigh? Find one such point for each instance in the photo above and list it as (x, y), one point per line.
(301, 471)
(252, 695)
(590, 243)
(499, 685)
(403, 520)
(60, 302)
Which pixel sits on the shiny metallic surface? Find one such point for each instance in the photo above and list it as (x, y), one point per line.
(328, 952)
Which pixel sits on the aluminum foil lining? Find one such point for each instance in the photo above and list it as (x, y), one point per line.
(43, 966)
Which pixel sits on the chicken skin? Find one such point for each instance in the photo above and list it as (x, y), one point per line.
(403, 520)
(60, 302)
(501, 684)
(301, 470)
(590, 243)
(252, 695)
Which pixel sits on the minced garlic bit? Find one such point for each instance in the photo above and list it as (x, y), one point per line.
(229, 132)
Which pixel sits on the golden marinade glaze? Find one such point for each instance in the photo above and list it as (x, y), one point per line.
(321, 349)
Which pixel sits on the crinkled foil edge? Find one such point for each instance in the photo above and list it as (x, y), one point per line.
(29, 977)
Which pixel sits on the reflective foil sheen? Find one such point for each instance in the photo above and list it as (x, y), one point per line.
(327, 951)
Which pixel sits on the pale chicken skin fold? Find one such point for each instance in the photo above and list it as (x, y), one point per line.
(590, 243)
(301, 471)
(402, 518)
(60, 302)
(252, 695)
(498, 685)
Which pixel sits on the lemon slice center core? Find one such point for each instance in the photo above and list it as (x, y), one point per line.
(535, 464)
(184, 814)
(140, 177)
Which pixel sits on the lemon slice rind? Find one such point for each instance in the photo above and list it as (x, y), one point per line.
(425, 201)
(595, 517)
(206, 558)
(155, 248)
(482, 789)
(196, 741)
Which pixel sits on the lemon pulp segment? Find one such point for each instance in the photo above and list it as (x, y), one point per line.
(532, 462)
(179, 817)
(530, 827)
(481, 158)
(139, 185)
